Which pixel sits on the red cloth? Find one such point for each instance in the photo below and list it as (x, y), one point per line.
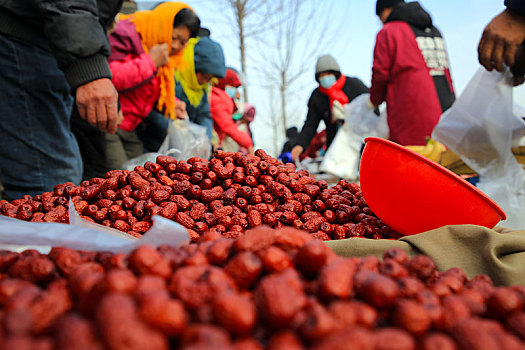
(134, 75)
(400, 77)
(335, 92)
(222, 108)
(315, 145)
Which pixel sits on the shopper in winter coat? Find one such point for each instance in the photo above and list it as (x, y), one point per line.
(222, 108)
(147, 48)
(326, 103)
(204, 60)
(51, 51)
(411, 71)
(502, 37)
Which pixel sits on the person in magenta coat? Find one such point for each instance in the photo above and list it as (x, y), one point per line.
(410, 71)
(222, 108)
(134, 74)
(146, 50)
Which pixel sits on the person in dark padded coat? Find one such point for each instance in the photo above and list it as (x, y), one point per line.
(327, 103)
(410, 72)
(51, 51)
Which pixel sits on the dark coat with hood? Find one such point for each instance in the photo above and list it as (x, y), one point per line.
(74, 31)
(411, 73)
(319, 110)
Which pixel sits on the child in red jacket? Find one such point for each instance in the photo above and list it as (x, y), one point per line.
(222, 108)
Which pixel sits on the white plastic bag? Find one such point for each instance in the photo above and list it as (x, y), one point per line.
(80, 234)
(342, 158)
(363, 121)
(481, 128)
(188, 138)
(151, 156)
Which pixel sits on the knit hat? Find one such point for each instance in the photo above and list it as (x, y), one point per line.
(326, 63)
(383, 4)
(231, 78)
(209, 58)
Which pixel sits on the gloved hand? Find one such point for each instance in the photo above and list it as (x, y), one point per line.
(371, 105)
(286, 157)
(338, 111)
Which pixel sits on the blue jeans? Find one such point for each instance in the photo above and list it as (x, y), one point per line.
(37, 148)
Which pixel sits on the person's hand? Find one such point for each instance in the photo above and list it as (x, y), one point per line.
(501, 38)
(97, 102)
(120, 117)
(517, 81)
(160, 54)
(338, 111)
(180, 110)
(251, 151)
(296, 152)
(518, 70)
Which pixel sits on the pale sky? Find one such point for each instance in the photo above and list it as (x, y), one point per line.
(460, 21)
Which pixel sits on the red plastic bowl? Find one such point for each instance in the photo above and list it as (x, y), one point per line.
(413, 194)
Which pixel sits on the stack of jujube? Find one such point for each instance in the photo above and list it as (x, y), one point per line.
(268, 289)
(228, 194)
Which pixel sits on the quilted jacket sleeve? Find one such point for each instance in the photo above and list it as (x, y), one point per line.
(132, 72)
(76, 34)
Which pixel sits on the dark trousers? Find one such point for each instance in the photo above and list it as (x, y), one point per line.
(152, 131)
(37, 148)
(92, 144)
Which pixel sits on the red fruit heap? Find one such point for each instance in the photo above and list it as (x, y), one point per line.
(228, 194)
(269, 289)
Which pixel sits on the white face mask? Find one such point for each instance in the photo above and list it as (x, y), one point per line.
(327, 81)
(231, 91)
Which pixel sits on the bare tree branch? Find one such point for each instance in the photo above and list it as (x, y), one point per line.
(277, 40)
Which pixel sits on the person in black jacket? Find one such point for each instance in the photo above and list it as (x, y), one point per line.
(502, 37)
(51, 51)
(327, 103)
